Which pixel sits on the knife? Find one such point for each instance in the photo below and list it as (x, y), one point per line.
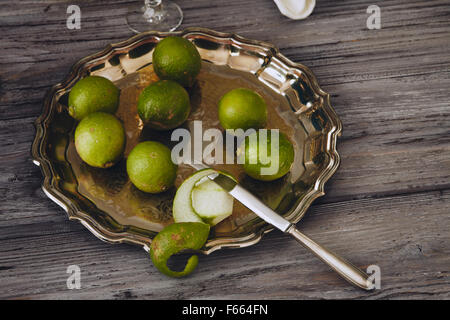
(344, 268)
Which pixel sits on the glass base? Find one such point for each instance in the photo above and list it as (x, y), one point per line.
(165, 17)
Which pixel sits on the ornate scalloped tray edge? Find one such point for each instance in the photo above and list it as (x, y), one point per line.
(289, 75)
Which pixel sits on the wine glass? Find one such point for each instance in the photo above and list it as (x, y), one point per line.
(155, 15)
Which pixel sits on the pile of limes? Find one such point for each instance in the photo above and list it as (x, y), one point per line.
(100, 139)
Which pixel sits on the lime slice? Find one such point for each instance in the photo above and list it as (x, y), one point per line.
(182, 208)
(200, 200)
(210, 202)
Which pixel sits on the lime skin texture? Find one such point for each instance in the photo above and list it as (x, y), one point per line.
(164, 105)
(252, 151)
(100, 139)
(150, 167)
(174, 238)
(242, 109)
(177, 59)
(93, 94)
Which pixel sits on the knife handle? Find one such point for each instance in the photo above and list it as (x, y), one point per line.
(347, 270)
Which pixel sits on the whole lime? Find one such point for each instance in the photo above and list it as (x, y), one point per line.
(164, 105)
(92, 94)
(266, 161)
(100, 139)
(150, 167)
(177, 59)
(242, 109)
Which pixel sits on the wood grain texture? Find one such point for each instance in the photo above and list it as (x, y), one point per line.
(388, 204)
(414, 262)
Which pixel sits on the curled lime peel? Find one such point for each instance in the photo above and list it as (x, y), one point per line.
(175, 238)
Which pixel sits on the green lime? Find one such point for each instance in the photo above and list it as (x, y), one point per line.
(150, 167)
(100, 139)
(164, 105)
(177, 59)
(92, 94)
(174, 238)
(242, 109)
(266, 161)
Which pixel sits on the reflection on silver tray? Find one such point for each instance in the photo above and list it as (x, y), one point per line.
(106, 202)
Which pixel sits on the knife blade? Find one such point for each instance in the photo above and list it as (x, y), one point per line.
(344, 268)
(247, 199)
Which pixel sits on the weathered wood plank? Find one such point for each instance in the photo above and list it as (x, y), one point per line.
(389, 199)
(392, 143)
(336, 43)
(411, 250)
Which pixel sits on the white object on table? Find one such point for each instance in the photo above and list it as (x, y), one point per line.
(296, 9)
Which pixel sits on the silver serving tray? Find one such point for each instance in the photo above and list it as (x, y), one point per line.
(111, 208)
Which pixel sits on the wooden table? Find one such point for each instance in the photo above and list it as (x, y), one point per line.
(388, 204)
